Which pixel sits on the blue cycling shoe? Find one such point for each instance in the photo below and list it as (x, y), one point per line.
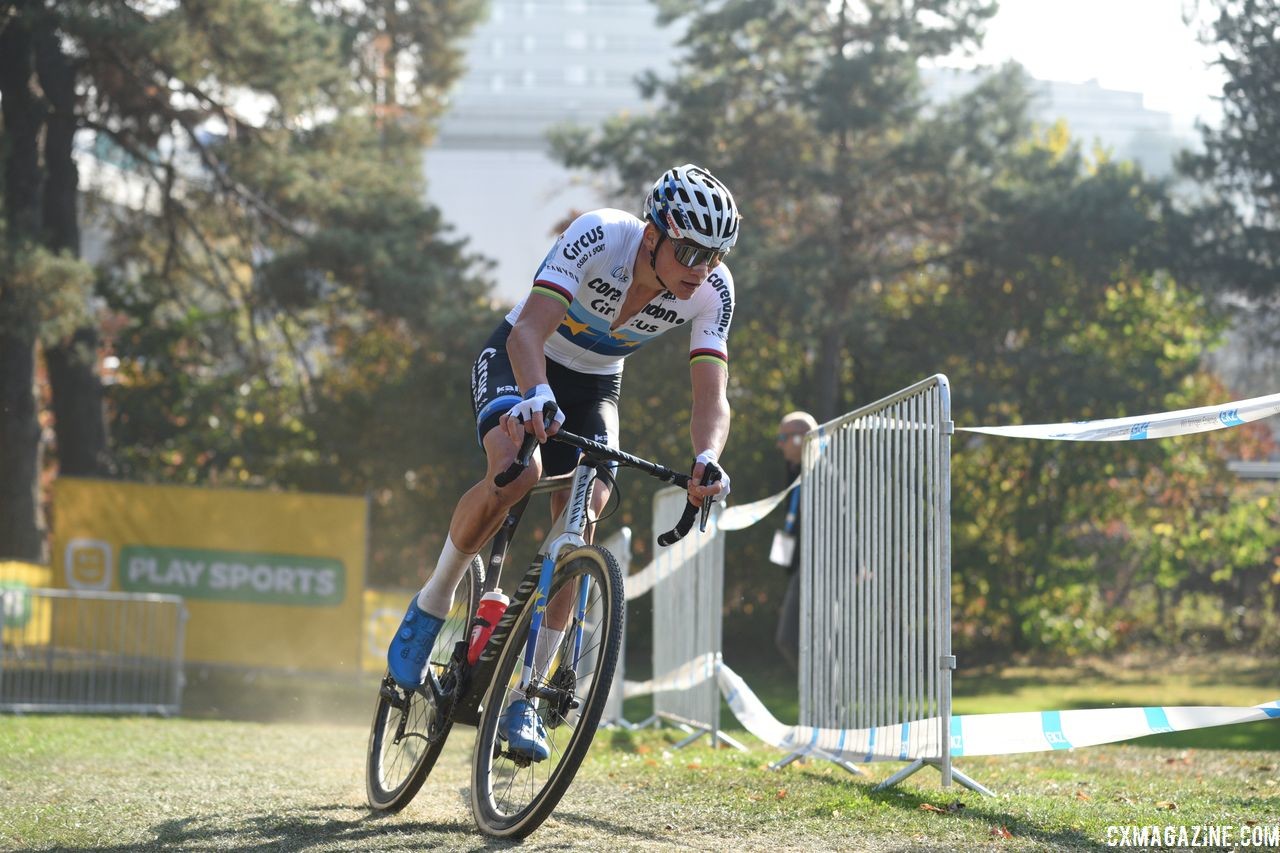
(524, 732)
(411, 646)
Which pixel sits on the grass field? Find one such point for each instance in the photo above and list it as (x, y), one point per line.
(123, 784)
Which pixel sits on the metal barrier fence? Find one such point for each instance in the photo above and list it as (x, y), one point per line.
(875, 614)
(77, 651)
(619, 545)
(688, 601)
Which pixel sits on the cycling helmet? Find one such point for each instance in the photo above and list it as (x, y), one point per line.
(690, 203)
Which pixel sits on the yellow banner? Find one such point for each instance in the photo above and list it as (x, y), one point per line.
(383, 610)
(270, 579)
(21, 622)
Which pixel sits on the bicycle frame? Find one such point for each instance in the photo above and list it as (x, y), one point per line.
(568, 532)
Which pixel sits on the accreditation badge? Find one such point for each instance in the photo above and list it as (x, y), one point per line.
(783, 548)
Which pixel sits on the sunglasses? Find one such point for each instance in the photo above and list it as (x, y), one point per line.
(790, 436)
(692, 255)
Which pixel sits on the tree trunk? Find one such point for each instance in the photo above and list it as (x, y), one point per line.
(79, 419)
(21, 524)
(21, 521)
(830, 359)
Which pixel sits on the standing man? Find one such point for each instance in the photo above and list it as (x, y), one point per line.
(609, 285)
(786, 548)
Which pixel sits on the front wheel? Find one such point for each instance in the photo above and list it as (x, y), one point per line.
(409, 730)
(510, 794)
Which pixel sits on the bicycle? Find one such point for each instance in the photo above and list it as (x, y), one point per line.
(511, 795)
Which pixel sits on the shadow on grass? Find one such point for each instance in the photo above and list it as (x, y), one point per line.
(985, 813)
(296, 830)
(306, 829)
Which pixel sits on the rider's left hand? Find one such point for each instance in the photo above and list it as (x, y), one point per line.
(717, 491)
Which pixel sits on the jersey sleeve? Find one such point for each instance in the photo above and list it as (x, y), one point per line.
(560, 274)
(709, 335)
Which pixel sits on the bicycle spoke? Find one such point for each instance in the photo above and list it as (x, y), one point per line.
(408, 731)
(512, 794)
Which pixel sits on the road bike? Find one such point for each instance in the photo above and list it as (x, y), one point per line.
(511, 794)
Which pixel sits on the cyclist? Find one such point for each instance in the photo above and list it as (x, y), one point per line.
(610, 284)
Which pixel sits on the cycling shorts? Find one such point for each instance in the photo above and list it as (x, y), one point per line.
(589, 401)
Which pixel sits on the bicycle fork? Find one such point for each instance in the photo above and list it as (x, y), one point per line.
(575, 525)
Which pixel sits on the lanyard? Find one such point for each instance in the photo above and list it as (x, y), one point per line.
(793, 508)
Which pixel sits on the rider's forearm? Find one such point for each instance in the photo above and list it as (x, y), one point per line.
(709, 425)
(524, 347)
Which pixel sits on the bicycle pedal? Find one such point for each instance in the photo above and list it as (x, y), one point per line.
(519, 759)
(393, 696)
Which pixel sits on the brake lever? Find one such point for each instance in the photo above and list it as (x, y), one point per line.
(527, 446)
(711, 473)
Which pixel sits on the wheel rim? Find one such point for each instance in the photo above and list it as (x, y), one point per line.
(509, 789)
(395, 765)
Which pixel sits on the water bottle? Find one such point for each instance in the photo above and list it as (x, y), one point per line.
(492, 606)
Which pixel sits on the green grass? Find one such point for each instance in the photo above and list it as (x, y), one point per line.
(124, 784)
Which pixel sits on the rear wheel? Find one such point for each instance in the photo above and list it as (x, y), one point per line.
(510, 794)
(408, 729)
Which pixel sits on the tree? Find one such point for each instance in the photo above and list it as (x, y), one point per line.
(1059, 307)
(1236, 236)
(814, 113)
(277, 148)
(37, 269)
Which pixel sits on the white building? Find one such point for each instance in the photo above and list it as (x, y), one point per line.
(536, 63)
(1116, 120)
(531, 65)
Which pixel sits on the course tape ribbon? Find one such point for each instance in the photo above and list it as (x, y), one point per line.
(691, 674)
(669, 561)
(1163, 425)
(978, 734)
(744, 515)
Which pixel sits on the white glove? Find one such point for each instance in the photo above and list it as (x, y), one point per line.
(706, 457)
(535, 400)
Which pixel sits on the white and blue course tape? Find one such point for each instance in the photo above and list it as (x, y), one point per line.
(1140, 427)
(979, 734)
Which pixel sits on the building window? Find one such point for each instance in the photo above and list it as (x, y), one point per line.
(530, 43)
(528, 79)
(575, 40)
(497, 83)
(575, 75)
(577, 7)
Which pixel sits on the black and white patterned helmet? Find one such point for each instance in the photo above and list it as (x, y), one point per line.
(690, 203)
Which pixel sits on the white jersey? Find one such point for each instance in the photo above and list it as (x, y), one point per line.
(589, 270)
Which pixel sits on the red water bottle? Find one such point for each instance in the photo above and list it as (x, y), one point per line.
(492, 606)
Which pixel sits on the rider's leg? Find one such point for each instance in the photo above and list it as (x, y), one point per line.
(560, 608)
(476, 519)
(595, 415)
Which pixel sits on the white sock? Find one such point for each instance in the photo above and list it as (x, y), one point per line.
(548, 641)
(436, 598)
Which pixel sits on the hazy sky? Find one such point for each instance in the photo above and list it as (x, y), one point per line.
(1133, 45)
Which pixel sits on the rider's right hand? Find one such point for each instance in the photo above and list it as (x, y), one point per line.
(526, 416)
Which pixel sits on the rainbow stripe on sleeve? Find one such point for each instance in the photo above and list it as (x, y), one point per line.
(554, 291)
(709, 356)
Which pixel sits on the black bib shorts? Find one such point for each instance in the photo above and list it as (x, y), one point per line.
(589, 401)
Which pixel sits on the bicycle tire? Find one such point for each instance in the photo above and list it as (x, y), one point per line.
(507, 800)
(396, 768)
